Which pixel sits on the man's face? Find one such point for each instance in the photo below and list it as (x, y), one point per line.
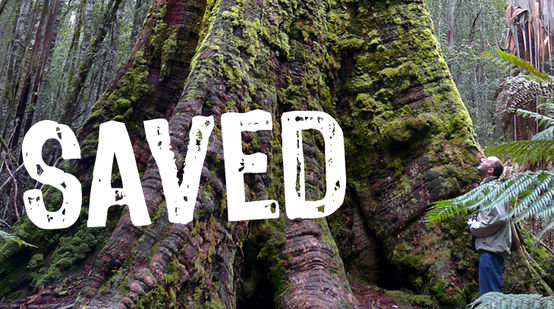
(484, 166)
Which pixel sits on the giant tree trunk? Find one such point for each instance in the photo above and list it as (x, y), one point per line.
(374, 66)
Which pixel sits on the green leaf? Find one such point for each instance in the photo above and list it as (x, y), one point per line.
(533, 193)
(512, 301)
(524, 151)
(19, 241)
(516, 62)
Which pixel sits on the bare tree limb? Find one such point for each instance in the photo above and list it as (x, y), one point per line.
(15, 193)
(3, 6)
(8, 180)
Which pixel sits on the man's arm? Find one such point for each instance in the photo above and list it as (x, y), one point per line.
(488, 223)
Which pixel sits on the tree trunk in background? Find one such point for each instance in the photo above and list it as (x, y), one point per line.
(13, 65)
(409, 141)
(78, 81)
(22, 97)
(452, 23)
(47, 50)
(138, 18)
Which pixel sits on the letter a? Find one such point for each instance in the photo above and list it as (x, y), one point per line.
(113, 141)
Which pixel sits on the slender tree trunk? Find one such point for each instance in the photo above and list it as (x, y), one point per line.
(452, 23)
(138, 18)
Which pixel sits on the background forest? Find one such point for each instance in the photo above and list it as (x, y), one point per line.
(82, 61)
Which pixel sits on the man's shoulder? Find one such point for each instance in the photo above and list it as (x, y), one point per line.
(488, 179)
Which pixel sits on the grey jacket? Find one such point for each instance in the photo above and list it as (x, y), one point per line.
(491, 232)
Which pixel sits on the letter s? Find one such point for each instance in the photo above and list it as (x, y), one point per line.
(69, 186)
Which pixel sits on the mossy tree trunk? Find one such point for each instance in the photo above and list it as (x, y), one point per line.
(374, 66)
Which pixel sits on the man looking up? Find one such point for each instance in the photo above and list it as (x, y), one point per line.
(492, 233)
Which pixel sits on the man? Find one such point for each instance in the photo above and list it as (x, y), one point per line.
(492, 233)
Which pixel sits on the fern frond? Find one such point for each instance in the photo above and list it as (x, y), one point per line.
(524, 151)
(19, 241)
(533, 195)
(542, 119)
(515, 62)
(512, 301)
(547, 214)
(441, 210)
(546, 134)
(535, 191)
(538, 206)
(511, 189)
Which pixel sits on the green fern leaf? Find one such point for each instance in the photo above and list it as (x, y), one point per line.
(516, 62)
(512, 301)
(534, 190)
(524, 151)
(547, 134)
(19, 241)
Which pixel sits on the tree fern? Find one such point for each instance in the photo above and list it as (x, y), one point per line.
(512, 301)
(518, 91)
(524, 151)
(543, 120)
(13, 238)
(534, 189)
(513, 63)
(545, 134)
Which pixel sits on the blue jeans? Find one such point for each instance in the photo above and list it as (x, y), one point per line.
(491, 266)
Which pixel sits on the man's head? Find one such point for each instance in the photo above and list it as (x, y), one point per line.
(491, 166)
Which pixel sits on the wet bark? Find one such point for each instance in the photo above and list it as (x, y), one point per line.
(375, 67)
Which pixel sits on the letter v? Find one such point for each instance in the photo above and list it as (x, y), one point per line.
(180, 199)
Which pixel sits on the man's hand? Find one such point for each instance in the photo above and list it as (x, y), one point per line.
(471, 220)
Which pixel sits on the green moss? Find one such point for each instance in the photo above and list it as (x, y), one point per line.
(448, 294)
(171, 275)
(264, 240)
(169, 49)
(70, 253)
(400, 297)
(157, 298)
(89, 146)
(121, 105)
(36, 261)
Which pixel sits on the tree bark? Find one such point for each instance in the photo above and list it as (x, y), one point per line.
(375, 67)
